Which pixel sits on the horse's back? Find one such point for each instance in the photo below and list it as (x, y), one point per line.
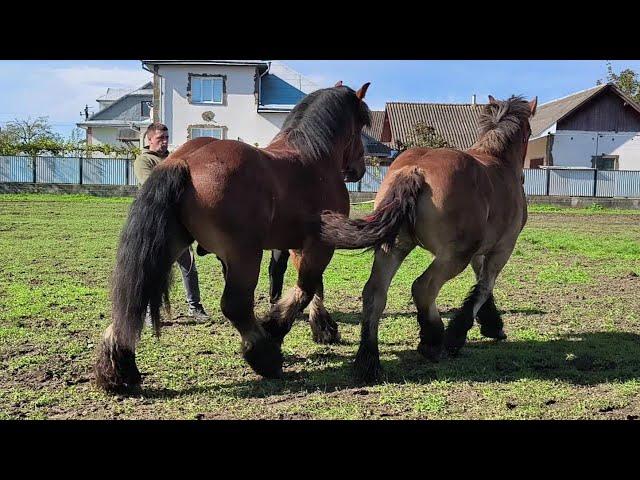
(231, 191)
(454, 206)
(447, 172)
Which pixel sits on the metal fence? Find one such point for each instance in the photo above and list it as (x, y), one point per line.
(371, 180)
(574, 182)
(73, 170)
(582, 182)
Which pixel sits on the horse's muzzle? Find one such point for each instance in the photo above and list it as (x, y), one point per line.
(354, 174)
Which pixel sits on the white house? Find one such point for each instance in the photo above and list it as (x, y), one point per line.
(122, 116)
(246, 100)
(595, 128)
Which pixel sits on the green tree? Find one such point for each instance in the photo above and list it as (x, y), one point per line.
(627, 81)
(423, 135)
(27, 131)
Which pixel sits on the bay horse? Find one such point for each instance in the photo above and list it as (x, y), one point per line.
(463, 207)
(236, 200)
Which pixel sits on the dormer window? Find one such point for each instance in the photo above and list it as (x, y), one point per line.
(206, 90)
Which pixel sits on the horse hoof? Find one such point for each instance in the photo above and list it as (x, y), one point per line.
(325, 336)
(367, 367)
(264, 357)
(492, 333)
(433, 353)
(453, 343)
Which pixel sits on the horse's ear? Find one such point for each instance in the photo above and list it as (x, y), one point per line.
(339, 84)
(363, 90)
(532, 106)
(492, 100)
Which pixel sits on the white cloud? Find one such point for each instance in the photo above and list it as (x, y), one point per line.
(97, 77)
(61, 92)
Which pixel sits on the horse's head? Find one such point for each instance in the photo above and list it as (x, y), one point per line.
(352, 165)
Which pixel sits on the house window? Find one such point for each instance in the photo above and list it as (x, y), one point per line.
(213, 132)
(206, 90)
(604, 162)
(536, 162)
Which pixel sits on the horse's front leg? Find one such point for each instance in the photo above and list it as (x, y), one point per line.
(310, 262)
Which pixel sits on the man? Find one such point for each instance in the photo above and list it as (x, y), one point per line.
(157, 136)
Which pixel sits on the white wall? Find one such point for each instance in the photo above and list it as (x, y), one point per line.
(575, 148)
(105, 135)
(238, 113)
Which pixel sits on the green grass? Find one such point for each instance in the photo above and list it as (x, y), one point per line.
(569, 296)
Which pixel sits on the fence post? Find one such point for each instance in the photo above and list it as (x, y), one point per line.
(595, 181)
(33, 161)
(126, 171)
(548, 180)
(80, 168)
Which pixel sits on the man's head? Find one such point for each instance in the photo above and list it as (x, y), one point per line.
(158, 137)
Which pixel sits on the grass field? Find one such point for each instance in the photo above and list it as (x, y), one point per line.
(570, 297)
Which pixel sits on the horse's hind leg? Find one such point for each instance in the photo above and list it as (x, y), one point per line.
(491, 324)
(241, 277)
(425, 291)
(461, 323)
(374, 299)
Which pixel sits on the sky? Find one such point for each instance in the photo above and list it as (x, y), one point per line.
(60, 89)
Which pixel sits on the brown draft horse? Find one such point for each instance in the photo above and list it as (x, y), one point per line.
(236, 201)
(463, 207)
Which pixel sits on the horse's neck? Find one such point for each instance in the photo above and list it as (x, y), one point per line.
(281, 149)
(510, 160)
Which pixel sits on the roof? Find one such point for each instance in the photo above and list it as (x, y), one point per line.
(373, 147)
(377, 120)
(97, 119)
(456, 123)
(282, 88)
(550, 113)
(112, 94)
(113, 123)
(261, 64)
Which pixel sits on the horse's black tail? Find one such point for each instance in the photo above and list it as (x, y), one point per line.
(398, 207)
(142, 276)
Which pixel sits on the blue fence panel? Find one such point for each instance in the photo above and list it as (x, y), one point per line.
(606, 183)
(535, 181)
(371, 180)
(16, 169)
(627, 184)
(571, 182)
(104, 171)
(132, 174)
(58, 170)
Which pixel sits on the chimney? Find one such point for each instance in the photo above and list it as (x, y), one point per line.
(473, 99)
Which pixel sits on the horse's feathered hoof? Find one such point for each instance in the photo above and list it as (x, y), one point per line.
(116, 371)
(367, 366)
(433, 353)
(493, 333)
(264, 357)
(453, 343)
